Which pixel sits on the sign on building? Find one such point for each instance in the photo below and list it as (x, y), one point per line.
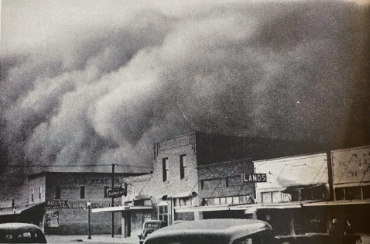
(254, 177)
(117, 191)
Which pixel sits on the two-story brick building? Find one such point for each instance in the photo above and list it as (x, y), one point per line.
(196, 176)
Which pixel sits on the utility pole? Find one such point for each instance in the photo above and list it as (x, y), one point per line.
(89, 219)
(113, 165)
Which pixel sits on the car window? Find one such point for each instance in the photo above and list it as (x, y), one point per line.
(152, 225)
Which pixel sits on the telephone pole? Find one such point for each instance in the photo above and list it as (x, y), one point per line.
(113, 165)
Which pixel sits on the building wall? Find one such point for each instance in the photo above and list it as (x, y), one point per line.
(302, 170)
(224, 180)
(174, 187)
(69, 214)
(35, 189)
(351, 177)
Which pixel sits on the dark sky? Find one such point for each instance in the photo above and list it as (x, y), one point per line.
(99, 83)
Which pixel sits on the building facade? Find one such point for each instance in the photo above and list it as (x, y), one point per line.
(351, 183)
(196, 176)
(57, 202)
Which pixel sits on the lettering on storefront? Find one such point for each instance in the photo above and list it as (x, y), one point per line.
(73, 204)
(254, 177)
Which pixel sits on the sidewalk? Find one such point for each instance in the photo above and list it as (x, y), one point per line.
(133, 239)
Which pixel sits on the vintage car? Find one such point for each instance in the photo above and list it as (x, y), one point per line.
(21, 233)
(214, 231)
(149, 227)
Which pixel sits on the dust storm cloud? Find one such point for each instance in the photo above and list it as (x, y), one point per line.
(84, 84)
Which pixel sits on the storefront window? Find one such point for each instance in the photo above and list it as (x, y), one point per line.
(266, 197)
(366, 192)
(352, 193)
(339, 193)
(163, 212)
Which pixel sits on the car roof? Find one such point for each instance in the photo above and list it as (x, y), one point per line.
(15, 226)
(226, 229)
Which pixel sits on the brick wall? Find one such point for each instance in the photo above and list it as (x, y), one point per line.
(224, 179)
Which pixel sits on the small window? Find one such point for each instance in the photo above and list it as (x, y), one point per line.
(165, 169)
(33, 194)
(182, 166)
(82, 192)
(40, 192)
(57, 192)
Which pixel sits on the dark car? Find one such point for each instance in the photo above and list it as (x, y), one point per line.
(149, 227)
(21, 233)
(214, 231)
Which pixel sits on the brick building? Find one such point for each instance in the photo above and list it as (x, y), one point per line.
(56, 201)
(197, 176)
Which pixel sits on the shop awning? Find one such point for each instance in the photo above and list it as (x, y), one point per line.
(288, 205)
(201, 209)
(338, 203)
(294, 188)
(120, 209)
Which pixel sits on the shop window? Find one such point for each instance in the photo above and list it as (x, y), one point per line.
(163, 213)
(352, 193)
(236, 200)
(366, 192)
(165, 169)
(229, 200)
(266, 197)
(182, 166)
(339, 193)
(276, 196)
(210, 201)
(106, 189)
(57, 192)
(82, 192)
(286, 197)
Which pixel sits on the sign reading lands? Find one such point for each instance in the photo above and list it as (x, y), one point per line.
(254, 177)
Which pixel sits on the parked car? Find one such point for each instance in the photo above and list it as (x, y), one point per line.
(149, 227)
(214, 231)
(21, 233)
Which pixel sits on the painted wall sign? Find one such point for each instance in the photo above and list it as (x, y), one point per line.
(254, 177)
(75, 204)
(351, 165)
